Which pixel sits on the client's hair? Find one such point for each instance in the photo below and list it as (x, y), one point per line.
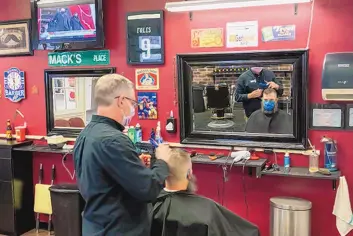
(179, 167)
(179, 164)
(269, 91)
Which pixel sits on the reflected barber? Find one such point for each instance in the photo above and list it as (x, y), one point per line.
(250, 86)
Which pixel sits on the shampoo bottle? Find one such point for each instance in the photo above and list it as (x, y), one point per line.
(138, 133)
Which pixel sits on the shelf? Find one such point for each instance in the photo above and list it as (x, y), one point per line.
(42, 149)
(250, 164)
(303, 172)
(204, 159)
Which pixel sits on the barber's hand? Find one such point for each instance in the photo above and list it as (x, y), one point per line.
(146, 159)
(163, 152)
(255, 94)
(273, 85)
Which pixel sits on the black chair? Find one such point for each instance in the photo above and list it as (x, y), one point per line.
(218, 99)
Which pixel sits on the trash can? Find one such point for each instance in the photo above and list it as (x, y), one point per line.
(290, 216)
(67, 206)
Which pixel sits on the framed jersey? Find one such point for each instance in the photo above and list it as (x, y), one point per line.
(145, 38)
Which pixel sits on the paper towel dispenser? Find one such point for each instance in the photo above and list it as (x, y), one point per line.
(337, 77)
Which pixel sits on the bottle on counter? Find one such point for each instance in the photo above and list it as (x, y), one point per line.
(132, 133)
(138, 133)
(171, 123)
(159, 138)
(313, 162)
(286, 163)
(8, 130)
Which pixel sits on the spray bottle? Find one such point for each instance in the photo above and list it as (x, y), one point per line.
(286, 163)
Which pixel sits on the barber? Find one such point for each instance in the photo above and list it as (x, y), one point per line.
(112, 179)
(250, 86)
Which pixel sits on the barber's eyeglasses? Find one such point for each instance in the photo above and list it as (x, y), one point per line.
(133, 102)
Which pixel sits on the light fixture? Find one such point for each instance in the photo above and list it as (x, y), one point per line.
(199, 5)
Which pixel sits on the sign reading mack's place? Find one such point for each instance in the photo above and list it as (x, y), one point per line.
(79, 58)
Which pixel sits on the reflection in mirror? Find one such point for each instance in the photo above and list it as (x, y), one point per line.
(248, 98)
(73, 101)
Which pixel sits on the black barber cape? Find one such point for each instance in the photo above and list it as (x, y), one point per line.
(113, 181)
(277, 123)
(185, 214)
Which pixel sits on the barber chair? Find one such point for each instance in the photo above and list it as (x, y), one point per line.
(218, 99)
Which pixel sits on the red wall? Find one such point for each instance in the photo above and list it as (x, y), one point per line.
(332, 31)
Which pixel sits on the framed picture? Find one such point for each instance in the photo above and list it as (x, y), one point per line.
(147, 105)
(327, 116)
(145, 38)
(147, 79)
(15, 38)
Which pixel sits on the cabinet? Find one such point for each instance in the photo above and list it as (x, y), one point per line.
(16, 189)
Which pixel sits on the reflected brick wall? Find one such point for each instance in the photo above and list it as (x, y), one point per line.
(208, 75)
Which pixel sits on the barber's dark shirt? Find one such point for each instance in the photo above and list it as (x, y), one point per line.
(249, 82)
(113, 181)
(277, 123)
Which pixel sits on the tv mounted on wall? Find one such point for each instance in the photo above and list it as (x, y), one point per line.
(67, 24)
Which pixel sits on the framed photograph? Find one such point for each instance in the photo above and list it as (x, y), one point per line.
(15, 38)
(147, 105)
(327, 116)
(145, 38)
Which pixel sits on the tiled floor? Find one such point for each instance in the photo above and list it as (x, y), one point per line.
(33, 233)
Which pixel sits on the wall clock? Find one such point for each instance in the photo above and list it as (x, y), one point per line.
(14, 84)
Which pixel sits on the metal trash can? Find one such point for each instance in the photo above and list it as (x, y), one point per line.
(67, 206)
(290, 217)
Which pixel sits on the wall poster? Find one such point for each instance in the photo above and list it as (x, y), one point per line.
(147, 79)
(278, 33)
(242, 34)
(147, 105)
(145, 38)
(207, 38)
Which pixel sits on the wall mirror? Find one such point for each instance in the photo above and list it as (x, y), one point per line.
(70, 99)
(247, 99)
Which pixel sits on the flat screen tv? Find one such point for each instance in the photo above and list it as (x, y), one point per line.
(65, 25)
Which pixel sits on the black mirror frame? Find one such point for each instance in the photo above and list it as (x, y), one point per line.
(299, 139)
(48, 75)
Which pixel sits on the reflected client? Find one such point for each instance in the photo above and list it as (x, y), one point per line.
(270, 119)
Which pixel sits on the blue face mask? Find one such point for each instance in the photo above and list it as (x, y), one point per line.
(269, 106)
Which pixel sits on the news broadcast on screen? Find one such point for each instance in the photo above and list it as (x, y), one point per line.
(73, 23)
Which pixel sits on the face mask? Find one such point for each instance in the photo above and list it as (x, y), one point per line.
(127, 119)
(269, 106)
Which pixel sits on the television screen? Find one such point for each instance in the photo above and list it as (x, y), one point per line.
(73, 23)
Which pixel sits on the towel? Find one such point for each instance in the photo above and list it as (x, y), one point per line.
(42, 199)
(342, 208)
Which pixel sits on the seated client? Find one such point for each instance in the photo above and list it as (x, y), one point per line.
(270, 119)
(179, 212)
